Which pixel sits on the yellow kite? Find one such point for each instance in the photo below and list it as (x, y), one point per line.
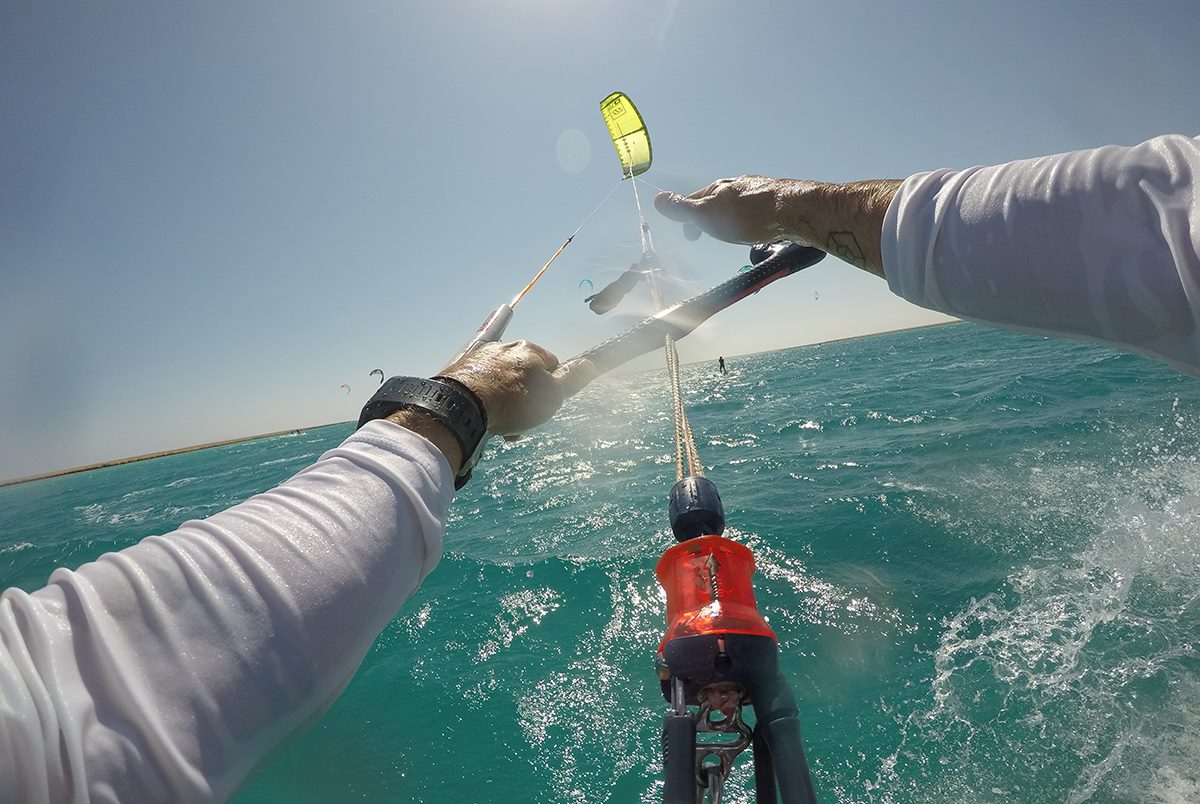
(629, 134)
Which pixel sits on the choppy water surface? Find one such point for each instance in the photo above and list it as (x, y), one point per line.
(979, 551)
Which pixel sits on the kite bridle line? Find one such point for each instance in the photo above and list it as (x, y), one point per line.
(685, 445)
(647, 240)
(492, 328)
(516, 299)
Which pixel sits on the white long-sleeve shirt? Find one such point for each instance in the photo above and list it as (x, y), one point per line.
(1100, 245)
(166, 671)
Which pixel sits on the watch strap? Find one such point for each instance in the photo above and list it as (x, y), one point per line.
(449, 401)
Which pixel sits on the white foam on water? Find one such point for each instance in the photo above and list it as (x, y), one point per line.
(519, 611)
(1079, 678)
(823, 603)
(564, 713)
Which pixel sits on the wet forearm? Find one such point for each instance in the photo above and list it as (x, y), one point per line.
(845, 220)
(433, 431)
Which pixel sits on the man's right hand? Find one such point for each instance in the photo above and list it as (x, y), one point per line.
(748, 209)
(845, 220)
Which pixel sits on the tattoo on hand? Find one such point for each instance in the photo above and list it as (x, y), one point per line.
(844, 245)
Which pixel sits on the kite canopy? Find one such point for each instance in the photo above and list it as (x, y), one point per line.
(629, 134)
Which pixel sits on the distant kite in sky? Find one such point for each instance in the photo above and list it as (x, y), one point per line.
(379, 372)
(347, 387)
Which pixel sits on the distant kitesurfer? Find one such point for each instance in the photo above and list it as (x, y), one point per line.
(1100, 245)
(721, 362)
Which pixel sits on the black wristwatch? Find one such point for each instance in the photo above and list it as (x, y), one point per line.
(447, 400)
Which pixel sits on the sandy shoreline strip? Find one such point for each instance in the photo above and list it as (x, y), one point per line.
(163, 454)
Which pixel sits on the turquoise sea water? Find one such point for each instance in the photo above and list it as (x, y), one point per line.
(980, 551)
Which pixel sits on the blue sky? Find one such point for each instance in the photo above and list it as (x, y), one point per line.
(212, 215)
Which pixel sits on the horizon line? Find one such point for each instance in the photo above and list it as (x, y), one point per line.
(242, 439)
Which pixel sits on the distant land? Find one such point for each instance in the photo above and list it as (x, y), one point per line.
(163, 454)
(228, 441)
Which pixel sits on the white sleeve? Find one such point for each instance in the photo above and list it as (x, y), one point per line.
(167, 671)
(1099, 245)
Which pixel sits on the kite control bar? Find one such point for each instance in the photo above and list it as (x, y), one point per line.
(773, 261)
